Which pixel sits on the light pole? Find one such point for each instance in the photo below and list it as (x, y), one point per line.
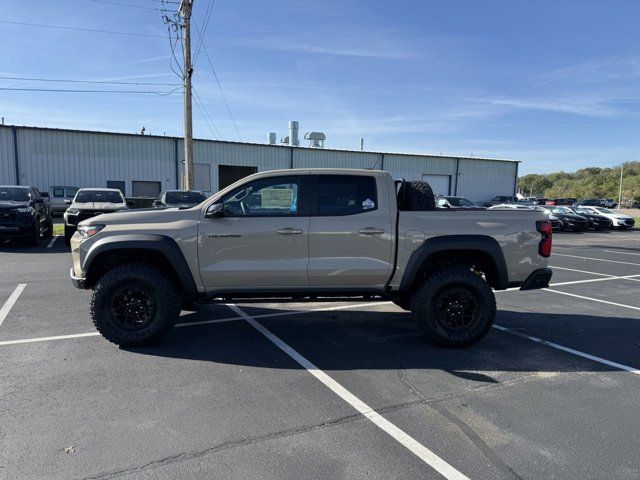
(620, 187)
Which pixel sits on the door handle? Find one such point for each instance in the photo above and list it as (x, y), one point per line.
(289, 231)
(371, 231)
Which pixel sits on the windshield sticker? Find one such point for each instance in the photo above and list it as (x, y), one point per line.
(368, 204)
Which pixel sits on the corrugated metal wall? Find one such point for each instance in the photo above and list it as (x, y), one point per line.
(214, 153)
(414, 166)
(7, 158)
(481, 180)
(50, 157)
(317, 158)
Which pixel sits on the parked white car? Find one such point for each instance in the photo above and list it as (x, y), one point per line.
(510, 206)
(620, 220)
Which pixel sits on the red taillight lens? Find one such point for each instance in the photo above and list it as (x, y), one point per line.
(544, 247)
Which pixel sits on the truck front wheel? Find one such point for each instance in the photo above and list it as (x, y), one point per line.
(135, 305)
(454, 307)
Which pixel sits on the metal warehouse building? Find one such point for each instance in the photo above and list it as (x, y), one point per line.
(143, 165)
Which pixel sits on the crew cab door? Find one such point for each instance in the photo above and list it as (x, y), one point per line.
(350, 232)
(261, 241)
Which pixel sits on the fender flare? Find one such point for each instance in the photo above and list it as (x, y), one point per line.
(480, 243)
(166, 246)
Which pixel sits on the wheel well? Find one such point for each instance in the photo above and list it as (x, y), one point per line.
(477, 260)
(114, 258)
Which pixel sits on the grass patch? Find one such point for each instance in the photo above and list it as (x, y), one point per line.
(58, 229)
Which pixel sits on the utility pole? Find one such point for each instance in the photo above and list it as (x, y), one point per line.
(185, 12)
(620, 189)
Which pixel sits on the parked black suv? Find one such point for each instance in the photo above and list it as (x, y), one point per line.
(24, 214)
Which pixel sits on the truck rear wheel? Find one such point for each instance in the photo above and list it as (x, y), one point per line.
(454, 307)
(135, 305)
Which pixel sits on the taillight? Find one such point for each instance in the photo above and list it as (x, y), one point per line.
(544, 247)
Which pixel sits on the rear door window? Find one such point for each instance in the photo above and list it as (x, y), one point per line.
(58, 192)
(346, 195)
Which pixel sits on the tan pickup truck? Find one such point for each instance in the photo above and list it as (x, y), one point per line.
(309, 233)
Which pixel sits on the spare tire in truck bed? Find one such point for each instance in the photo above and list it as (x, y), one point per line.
(416, 196)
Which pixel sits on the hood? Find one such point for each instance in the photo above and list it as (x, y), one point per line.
(12, 204)
(570, 216)
(99, 206)
(620, 216)
(144, 216)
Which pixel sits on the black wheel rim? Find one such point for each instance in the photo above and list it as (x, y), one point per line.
(456, 308)
(132, 307)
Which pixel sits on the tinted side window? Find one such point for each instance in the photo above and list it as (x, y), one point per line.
(267, 197)
(346, 195)
(58, 192)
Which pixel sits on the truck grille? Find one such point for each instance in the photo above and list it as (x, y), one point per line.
(7, 216)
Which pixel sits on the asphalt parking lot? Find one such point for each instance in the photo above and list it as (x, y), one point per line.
(327, 390)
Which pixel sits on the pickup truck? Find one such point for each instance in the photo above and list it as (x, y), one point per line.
(309, 233)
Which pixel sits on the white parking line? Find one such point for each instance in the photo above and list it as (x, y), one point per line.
(13, 298)
(582, 271)
(411, 444)
(592, 299)
(569, 350)
(621, 253)
(52, 241)
(596, 259)
(193, 324)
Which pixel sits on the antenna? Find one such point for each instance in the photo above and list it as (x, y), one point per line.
(377, 160)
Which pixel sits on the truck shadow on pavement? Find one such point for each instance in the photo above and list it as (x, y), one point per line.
(357, 340)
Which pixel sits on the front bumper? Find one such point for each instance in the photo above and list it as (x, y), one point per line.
(78, 282)
(15, 231)
(538, 279)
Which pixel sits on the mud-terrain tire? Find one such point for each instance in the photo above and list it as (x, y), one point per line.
(68, 233)
(33, 239)
(454, 307)
(49, 228)
(417, 197)
(135, 305)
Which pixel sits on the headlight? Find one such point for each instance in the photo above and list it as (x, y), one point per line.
(24, 210)
(88, 231)
(72, 211)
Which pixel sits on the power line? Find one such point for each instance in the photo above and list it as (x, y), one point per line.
(65, 90)
(205, 114)
(111, 82)
(81, 29)
(215, 75)
(125, 5)
(205, 24)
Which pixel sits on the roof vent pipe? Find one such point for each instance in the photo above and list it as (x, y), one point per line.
(293, 133)
(272, 138)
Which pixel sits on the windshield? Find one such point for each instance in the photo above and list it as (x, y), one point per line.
(498, 198)
(107, 196)
(12, 194)
(459, 202)
(604, 210)
(564, 210)
(582, 211)
(185, 197)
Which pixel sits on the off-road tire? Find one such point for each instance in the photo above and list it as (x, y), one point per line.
(68, 233)
(49, 228)
(160, 289)
(33, 240)
(417, 197)
(432, 294)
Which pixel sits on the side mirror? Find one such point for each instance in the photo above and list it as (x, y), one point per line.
(215, 211)
(67, 202)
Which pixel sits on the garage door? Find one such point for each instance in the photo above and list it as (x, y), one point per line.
(440, 184)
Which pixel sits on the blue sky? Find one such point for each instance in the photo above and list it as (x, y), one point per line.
(555, 84)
